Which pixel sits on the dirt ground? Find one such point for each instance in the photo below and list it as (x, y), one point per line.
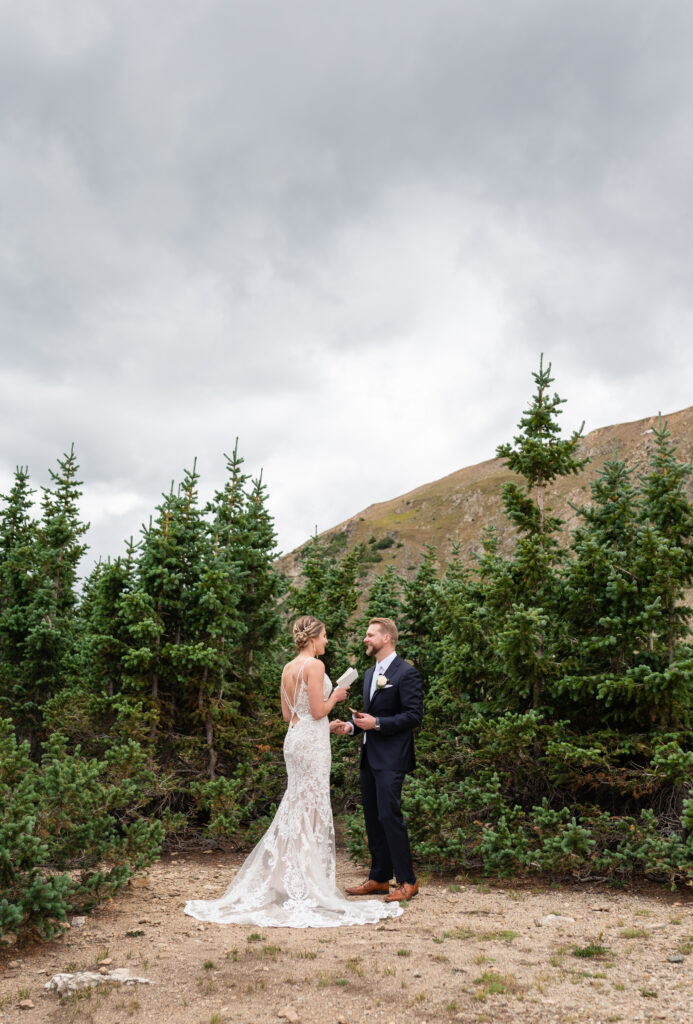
(463, 951)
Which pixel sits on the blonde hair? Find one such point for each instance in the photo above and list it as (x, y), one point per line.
(386, 626)
(305, 629)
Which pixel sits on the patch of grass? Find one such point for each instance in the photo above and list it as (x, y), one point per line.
(23, 993)
(643, 913)
(648, 993)
(634, 933)
(255, 937)
(403, 952)
(619, 986)
(209, 965)
(233, 953)
(420, 997)
(306, 954)
(505, 936)
(685, 946)
(460, 933)
(454, 888)
(675, 920)
(353, 964)
(590, 951)
(134, 933)
(271, 951)
(481, 958)
(325, 978)
(389, 970)
(439, 958)
(215, 1018)
(493, 984)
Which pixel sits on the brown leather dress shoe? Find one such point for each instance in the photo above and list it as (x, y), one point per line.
(367, 887)
(404, 891)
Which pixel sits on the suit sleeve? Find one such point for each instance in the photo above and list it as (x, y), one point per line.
(411, 701)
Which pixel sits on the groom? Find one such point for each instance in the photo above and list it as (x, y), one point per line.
(393, 708)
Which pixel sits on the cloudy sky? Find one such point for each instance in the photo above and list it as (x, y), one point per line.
(343, 231)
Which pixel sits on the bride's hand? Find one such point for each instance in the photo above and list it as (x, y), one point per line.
(340, 693)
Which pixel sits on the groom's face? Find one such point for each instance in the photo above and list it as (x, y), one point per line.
(375, 640)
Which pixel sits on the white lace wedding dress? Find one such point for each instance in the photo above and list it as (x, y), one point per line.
(288, 880)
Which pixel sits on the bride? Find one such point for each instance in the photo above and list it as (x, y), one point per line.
(288, 880)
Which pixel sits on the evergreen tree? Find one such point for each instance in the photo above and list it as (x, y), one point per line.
(384, 602)
(604, 606)
(528, 640)
(667, 517)
(418, 625)
(330, 593)
(19, 578)
(49, 629)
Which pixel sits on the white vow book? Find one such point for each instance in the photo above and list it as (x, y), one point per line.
(347, 678)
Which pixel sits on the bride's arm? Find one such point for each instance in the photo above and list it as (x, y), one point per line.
(314, 675)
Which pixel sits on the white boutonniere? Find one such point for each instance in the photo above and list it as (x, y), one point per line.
(381, 681)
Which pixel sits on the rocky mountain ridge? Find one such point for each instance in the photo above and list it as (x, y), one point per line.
(457, 507)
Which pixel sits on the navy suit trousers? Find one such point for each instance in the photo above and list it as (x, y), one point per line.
(381, 791)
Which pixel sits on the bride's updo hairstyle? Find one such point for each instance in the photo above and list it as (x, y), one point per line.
(305, 629)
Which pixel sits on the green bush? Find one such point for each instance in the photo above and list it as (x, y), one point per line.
(70, 830)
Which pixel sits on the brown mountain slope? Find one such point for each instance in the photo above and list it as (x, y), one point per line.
(458, 507)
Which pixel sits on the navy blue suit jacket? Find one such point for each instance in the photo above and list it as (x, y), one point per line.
(399, 706)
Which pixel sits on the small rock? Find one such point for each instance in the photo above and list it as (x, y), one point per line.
(288, 1013)
(65, 984)
(9, 939)
(416, 974)
(675, 959)
(25, 1004)
(14, 964)
(105, 962)
(342, 1020)
(600, 910)
(550, 919)
(78, 922)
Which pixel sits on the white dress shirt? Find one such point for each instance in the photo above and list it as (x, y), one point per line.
(381, 668)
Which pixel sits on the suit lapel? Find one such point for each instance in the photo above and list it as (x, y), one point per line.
(367, 680)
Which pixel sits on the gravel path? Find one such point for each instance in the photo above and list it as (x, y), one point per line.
(461, 952)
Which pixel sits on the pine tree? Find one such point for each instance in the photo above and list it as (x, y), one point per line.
(603, 597)
(418, 625)
(384, 602)
(527, 635)
(49, 622)
(330, 593)
(19, 577)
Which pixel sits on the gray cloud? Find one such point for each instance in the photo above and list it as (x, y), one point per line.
(279, 219)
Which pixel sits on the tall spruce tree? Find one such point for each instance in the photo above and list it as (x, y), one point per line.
(19, 578)
(49, 622)
(528, 640)
(330, 592)
(384, 602)
(607, 616)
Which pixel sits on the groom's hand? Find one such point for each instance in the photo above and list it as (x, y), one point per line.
(364, 721)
